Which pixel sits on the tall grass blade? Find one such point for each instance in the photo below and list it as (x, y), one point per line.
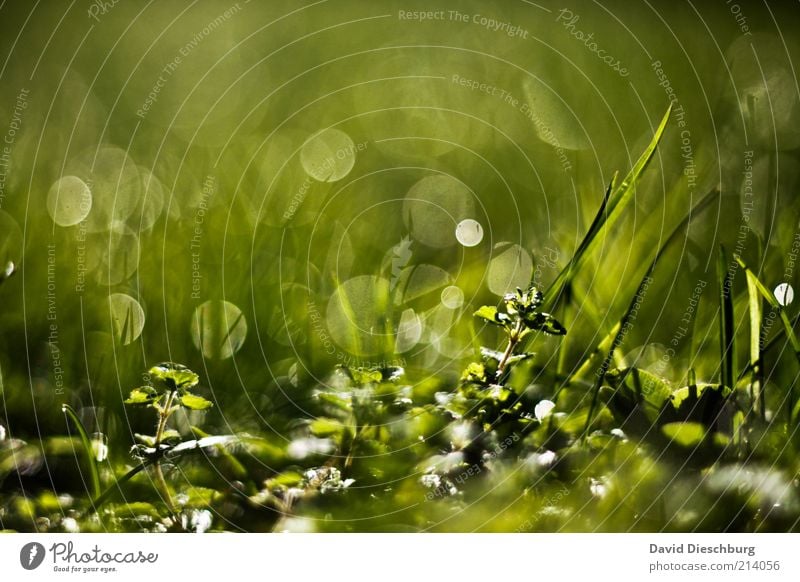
(756, 376)
(726, 324)
(614, 202)
(94, 472)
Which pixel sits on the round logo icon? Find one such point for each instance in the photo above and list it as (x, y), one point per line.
(31, 555)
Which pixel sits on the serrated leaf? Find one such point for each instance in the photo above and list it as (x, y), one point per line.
(194, 402)
(174, 376)
(142, 395)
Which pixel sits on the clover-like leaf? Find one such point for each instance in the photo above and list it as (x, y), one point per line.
(194, 402)
(174, 376)
(142, 395)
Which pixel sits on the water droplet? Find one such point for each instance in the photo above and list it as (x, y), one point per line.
(329, 155)
(432, 208)
(509, 269)
(219, 329)
(543, 409)
(469, 232)
(69, 201)
(100, 446)
(784, 294)
(127, 318)
(452, 297)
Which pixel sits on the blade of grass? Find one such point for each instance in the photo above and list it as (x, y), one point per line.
(773, 302)
(91, 461)
(787, 324)
(726, 325)
(614, 202)
(100, 499)
(621, 328)
(756, 380)
(607, 341)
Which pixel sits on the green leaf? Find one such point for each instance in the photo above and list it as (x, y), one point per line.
(174, 376)
(686, 434)
(474, 372)
(194, 402)
(142, 395)
(544, 322)
(363, 376)
(492, 315)
(692, 394)
(323, 427)
(642, 387)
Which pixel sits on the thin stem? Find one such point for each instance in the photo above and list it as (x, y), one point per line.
(513, 341)
(161, 483)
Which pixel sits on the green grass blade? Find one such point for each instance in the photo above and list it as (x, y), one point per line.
(100, 499)
(767, 294)
(726, 323)
(756, 380)
(787, 324)
(614, 202)
(607, 341)
(94, 472)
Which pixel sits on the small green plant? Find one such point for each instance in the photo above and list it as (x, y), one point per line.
(520, 319)
(171, 390)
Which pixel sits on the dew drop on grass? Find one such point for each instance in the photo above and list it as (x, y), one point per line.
(452, 297)
(543, 409)
(218, 329)
(69, 201)
(127, 318)
(434, 206)
(469, 232)
(357, 315)
(511, 267)
(329, 155)
(99, 446)
(784, 294)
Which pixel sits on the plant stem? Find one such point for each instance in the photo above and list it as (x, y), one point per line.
(513, 340)
(161, 483)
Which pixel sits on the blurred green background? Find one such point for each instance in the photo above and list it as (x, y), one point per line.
(264, 190)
